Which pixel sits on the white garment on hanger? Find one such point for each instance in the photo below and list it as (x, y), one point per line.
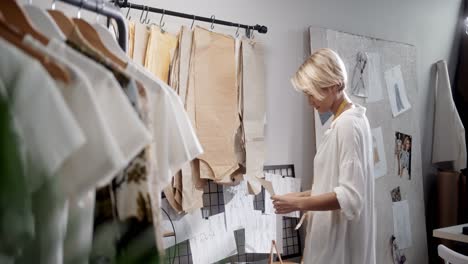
(123, 122)
(140, 44)
(343, 164)
(51, 135)
(44, 22)
(449, 142)
(110, 42)
(100, 158)
(175, 139)
(47, 126)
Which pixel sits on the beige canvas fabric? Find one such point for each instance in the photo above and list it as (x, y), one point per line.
(253, 80)
(140, 43)
(213, 78)
(159, 52)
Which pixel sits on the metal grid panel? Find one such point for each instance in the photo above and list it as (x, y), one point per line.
(213, 201)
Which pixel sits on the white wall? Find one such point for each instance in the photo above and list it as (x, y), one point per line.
(430, 25)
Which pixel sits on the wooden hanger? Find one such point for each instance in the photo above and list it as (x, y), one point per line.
(14, 14)
(90, 34)
(55, 70)
(65, 24)
(70, 30)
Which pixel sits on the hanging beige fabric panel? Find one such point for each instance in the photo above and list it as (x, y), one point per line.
(131, 38)
(192, 194)
(213, 73)
(159, 52)
(253, 79)
(141, 34)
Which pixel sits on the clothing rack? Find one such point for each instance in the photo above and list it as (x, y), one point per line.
(212, 20)
(105, 10)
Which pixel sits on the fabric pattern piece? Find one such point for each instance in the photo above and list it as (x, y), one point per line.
(213, 73)
(161, 47)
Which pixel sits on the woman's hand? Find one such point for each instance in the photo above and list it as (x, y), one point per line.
(288, 203)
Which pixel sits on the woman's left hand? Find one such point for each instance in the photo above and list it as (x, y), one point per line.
(285, 204)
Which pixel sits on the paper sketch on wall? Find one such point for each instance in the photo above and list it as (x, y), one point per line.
(403, 154)
(373, 77)
(402, 224)
(358, 86)
(396, 91)
(380, 161)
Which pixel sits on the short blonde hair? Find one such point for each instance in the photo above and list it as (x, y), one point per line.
(323, 69)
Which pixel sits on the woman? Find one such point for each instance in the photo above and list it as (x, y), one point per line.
(341, 227)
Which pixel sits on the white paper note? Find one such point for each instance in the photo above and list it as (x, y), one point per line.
(396, 91)
(260, 232)
(186, 226)
(281, 185)
(238, 206)
(378, 151)
(373, 77)
(214, 244)
(402, 224)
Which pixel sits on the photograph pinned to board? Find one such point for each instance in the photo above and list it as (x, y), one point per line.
(397, 91)
(380, 161)
(373, 77)
(402, 224)
(359, 86)
(396, 194)
(403, 154)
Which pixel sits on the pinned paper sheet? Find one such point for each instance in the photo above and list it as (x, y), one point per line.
(186, 226)
(396, 91)
(373, 77)
(238, 206)
(402, 224)
(378, 150)
(262, 229)
(281, 185)
(214, 244)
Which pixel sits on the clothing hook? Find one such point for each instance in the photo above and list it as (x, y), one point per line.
(161, 23)
(193, 22)
(128, 11)
(99, 11)
(147, 20)
(212, 21)
(141, 16)
(78, 15)
(252, 30)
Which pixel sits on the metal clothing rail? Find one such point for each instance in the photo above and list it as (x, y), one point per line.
(212, 20)
(105, 10)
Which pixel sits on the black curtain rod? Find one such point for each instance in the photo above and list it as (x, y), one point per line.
(105, 10)
(126, 4)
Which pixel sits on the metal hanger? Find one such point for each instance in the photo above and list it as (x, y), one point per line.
(98, 14)
(237, 31)
(78, 15)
